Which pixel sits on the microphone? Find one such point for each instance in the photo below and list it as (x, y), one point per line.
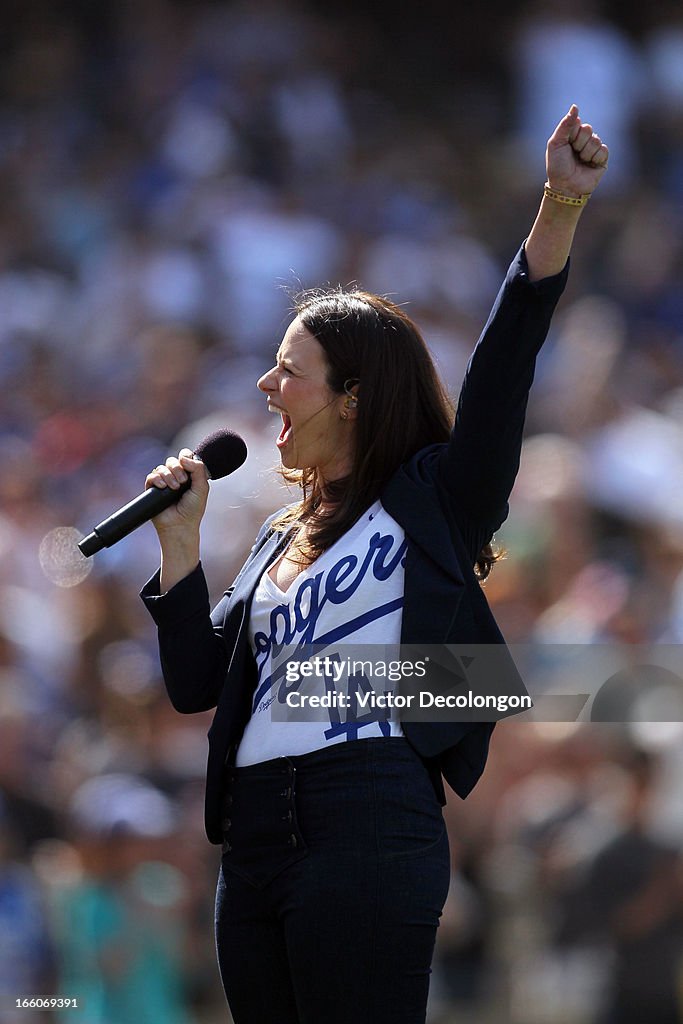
(222, 453)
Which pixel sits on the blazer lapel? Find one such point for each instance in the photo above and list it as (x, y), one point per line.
(234, 699)
(433, 581)
(247, 579)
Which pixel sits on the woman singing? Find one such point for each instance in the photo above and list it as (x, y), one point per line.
(335, 861)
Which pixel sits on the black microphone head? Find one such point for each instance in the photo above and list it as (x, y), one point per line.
(222, 453)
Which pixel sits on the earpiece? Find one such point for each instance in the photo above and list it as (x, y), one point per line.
(351, 402)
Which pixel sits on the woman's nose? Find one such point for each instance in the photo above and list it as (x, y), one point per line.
(268, 381)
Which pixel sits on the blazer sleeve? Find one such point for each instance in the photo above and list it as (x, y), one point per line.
(194, 655)
(194, 649)
(480, 463)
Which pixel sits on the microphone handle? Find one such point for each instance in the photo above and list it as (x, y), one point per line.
(138, 511)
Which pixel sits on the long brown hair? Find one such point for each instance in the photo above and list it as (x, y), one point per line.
(402, 407)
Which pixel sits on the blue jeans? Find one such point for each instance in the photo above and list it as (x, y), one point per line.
(334, 873)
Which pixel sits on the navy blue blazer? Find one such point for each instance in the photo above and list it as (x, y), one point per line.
(449, 499)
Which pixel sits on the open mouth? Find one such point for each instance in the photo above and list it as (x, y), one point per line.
(286, 431)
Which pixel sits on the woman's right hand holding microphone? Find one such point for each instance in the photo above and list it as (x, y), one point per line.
(178, 525)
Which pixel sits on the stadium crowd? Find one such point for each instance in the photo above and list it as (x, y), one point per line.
(169, 173)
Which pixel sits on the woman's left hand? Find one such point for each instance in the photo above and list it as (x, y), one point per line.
(576, 158)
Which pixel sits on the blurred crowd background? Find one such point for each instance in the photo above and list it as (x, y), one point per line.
(169, 172)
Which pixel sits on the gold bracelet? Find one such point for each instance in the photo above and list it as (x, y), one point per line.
(560, 197)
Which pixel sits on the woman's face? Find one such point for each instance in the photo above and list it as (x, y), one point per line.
(314, 433)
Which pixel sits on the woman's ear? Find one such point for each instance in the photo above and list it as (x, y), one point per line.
(350, 408)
